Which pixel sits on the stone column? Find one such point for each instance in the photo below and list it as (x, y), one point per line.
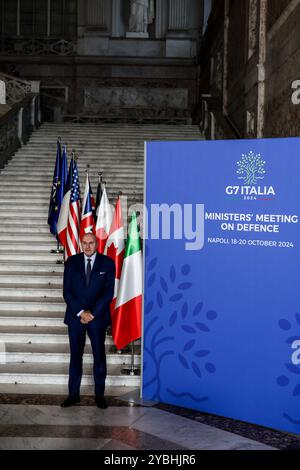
(161, 19)
(261, 69)
(95, 13)
(2, 92)
(178, 15)
(116, 18)
(252, 27)
(225, 56)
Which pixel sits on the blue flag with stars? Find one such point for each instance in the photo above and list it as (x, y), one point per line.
(60, 180)
(53, 212)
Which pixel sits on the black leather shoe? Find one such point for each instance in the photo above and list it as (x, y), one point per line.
(101, 402)
(70, 401)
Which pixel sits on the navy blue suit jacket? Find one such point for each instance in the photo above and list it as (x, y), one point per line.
(95, 297)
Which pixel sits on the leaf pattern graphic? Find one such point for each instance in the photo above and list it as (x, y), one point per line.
(196, 370)
(292, 339)
(159, 300)
(171, 297)
(172, 274)
(201, 353)
(173, 319)
(293, 368)
(284, 324)
(151, 280)
(175, 298)
(183, 361)
(149, 307)
(185, 270)
(211, 315)
(202, 327)
(188, 329)
(296, 390)
(185, 286)
(152, 264)
(164, 285)
(198, 309)
(189, 345)
(210, 368)
(184, 310)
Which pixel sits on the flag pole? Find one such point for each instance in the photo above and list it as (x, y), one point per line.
(132, 371)
(58, 251)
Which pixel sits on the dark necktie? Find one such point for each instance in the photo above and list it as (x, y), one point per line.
(88, 271)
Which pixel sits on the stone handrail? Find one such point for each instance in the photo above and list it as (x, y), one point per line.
(214, 124)
(17, 124)
(13, 90)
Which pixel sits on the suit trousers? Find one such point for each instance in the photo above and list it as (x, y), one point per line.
(77, 337)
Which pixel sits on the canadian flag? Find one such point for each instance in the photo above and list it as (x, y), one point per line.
(104, 221)
(115, 247)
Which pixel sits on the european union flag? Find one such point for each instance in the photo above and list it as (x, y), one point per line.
(58, 187)
(63, 176)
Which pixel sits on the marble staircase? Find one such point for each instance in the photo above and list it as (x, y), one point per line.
(32, 332)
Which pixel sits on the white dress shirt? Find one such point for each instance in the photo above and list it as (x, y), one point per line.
(86, 258)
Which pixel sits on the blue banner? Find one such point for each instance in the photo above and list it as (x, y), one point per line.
(222, 277)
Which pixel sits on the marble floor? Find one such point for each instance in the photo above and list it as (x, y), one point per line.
(36, 421)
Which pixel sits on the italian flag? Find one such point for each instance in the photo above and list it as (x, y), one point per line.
(127, 316)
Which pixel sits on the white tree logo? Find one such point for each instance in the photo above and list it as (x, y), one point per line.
(251, 168)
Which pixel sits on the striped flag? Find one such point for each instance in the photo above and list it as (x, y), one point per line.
(73, 244)
(87, 223)
(104, 221)
(127, 316)
(62, 222)
(115, 246)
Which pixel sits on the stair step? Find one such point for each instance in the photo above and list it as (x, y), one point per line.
(33, 228)
(33, 304)
(31, 267)
(35, 322)
(34, 316)
(59, 374)
(25, 257)
(43, 292)
(39, 348)
(56, 358)
(19, 279)
(27, 237)
(40, 335)
(48, 170)
(19, 246)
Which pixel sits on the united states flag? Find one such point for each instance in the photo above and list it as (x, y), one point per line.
(73, 244)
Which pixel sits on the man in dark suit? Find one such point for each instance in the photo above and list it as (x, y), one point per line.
(89, 280)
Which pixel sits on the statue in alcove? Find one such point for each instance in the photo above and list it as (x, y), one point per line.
(141, 14)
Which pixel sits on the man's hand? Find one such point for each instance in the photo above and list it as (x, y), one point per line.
(86, 317)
